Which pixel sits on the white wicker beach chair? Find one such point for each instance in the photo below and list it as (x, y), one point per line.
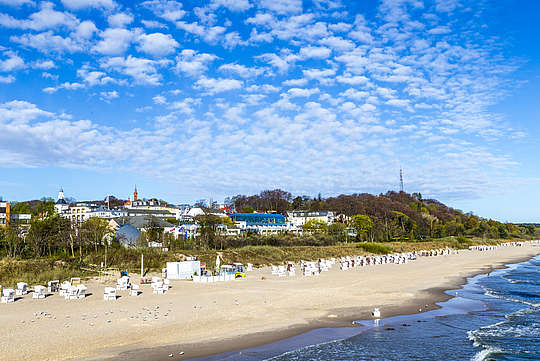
(22, 288)
(134, 290)
(39, 292)
(109, 294)
(8, 295)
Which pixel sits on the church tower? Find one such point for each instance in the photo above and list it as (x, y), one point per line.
(61, 194)
(135, 193)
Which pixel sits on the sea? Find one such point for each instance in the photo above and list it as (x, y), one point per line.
(494, 316)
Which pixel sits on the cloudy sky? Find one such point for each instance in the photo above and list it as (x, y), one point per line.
(205, 99)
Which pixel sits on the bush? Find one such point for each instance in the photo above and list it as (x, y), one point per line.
(374, 248)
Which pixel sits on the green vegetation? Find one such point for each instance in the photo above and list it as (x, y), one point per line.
(374, 248)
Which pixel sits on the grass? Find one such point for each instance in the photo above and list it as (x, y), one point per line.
(375, 248)
(40, 271)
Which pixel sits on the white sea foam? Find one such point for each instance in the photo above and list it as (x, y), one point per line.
(485, 353)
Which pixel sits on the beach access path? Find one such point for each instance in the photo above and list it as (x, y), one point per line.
(207, 318)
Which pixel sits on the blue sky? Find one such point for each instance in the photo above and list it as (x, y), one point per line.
(207, 99)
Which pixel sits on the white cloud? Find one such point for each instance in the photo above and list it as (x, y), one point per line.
(17, 3)
(152, 24)
(315, 52)
(159, 99)
(157, 44)
(47, 42)
(82, 4)
(13, 62)
(143, 71)
(295, 82)
(352, 79)
(165, 9)
(66, 85)
(193, 63)
(241, 70)
(440, 30)
(297, 92)
(119, 20)
(114, 41)
(107, 96)
(217, 85)
(85, 30)
(337, 43)
(282, 63)
(232, 5)
(46, 18)
(7, 79)
(282, 6)
(209, 34)
(44, 64)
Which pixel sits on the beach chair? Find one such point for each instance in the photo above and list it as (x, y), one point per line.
(75, 281)
(249, 267)
(81, 291)
(158, 288)
(53, 286)
(63, 288)
(8, 295)
(134, 290)
(22, 289)
(109, 294)
(166, 284)
(122, 284)
(71, 293)
(281, 271)
(275, 270)
(39, 292)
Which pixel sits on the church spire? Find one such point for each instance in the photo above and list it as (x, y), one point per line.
(135, 193)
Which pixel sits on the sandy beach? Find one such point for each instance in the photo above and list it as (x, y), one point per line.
(202, 319)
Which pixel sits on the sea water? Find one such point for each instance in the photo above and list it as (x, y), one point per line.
(494, 316)
(502, 324)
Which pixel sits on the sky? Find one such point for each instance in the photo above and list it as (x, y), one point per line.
(206, 99)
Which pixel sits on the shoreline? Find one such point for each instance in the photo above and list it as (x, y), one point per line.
(225, 348)
(208, 319)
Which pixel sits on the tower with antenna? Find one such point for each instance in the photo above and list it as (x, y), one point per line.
(401, 179)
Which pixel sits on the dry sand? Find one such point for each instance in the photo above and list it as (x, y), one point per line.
(217, 317)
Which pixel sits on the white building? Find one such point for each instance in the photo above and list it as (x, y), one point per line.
(61, 206)
(299, 218)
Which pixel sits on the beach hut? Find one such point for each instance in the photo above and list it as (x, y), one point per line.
(183, 270)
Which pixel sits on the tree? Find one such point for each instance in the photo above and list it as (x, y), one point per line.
(14, 241)
(338, 230)
(362, 224)
(208, 227)
(315, 226)
(20, 208)
(248, 209)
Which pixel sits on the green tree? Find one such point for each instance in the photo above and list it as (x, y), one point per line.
(248, 209)
(315, 226)
(338, 231)
(362, 224)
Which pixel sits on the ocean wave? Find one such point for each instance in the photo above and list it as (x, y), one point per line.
(485, 353)
(493, 294)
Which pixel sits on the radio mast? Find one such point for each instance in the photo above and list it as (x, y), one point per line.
(401, 179)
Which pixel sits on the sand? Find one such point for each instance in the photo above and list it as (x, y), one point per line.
(208, 318)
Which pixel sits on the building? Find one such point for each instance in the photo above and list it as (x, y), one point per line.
(5, 214)
(61, 206)
(299, 218)
(262, 223)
